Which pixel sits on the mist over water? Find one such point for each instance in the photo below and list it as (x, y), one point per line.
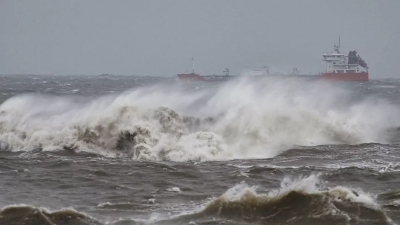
(237, 120)
(131, 150)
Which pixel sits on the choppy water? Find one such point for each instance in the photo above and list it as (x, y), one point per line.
(137, 150)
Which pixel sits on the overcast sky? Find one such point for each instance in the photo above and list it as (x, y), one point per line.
(159, 37)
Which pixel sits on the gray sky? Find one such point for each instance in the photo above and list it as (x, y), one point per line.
(159, 37)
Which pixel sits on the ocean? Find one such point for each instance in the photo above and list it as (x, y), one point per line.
(124, 150)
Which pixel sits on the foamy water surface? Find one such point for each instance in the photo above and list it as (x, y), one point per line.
(139, 150)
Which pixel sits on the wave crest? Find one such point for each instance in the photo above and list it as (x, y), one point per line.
(24, 214)
(240, 119)
(297, 202)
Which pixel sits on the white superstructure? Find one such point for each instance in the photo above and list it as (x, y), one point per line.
(337, 62)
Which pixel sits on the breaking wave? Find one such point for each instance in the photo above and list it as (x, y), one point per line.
(300, 201)
(240, 119)
(24, 214)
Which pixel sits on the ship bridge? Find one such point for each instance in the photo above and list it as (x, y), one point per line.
(337, 62)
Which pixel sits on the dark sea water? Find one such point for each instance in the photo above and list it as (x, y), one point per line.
(124, 150)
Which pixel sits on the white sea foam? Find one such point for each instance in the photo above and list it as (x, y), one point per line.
(297, 201)
(307, 185)
(251, 120)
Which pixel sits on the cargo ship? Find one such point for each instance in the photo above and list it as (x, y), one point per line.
(197, 77)
(339, 67)
(193, 76)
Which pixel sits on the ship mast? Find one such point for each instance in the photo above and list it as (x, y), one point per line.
(193, 63)
(336, 47)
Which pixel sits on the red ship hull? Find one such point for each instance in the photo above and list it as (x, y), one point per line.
(345, 76)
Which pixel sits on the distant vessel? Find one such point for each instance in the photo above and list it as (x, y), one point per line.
(339, 67)
(197, 77)
(344, 68)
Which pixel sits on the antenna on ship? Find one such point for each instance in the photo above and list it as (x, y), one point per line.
(336, 47)
(193, 63)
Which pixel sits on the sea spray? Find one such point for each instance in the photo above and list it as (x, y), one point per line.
(238, 119)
